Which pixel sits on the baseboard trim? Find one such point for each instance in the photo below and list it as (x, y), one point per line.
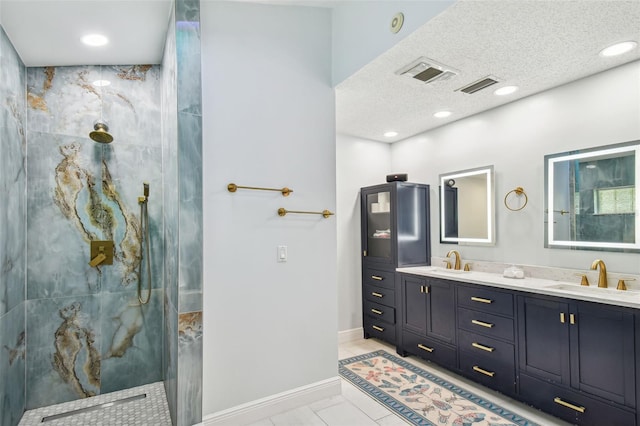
(266, 407)
(345, 336)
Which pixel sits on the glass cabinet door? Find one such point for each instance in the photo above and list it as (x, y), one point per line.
(378, 225)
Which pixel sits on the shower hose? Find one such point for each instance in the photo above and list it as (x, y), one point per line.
(144, 246)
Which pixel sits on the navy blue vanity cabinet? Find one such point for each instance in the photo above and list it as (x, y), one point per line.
(395, 233)
(486, 336)
(577, 360)
(427, 319)
(378, 305)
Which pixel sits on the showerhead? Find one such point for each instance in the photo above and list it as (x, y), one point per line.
(101, 133)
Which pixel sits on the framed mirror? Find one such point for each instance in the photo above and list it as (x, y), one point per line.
(591, 199)
(467, 207)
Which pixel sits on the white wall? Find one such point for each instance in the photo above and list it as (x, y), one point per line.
(269, 120)
(598, 110)
(594, 111)
(359, 163)
(361, 30)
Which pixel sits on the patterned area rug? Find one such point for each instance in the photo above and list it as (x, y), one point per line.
(420, 397)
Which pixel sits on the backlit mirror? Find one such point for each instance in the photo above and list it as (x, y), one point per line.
(591, 198)
(467, 212)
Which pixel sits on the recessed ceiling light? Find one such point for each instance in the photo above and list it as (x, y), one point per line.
(506, 90)
(618, 48)
(391, 134)
(442, 114)
(101, 83)
(94, 40)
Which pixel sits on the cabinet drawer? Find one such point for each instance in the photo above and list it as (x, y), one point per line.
(491, 372)
(380, 329)
(378, 278)
(429, 349)
(567, 404)
(486, 299)
(487, 347)
(380, 312)
(384, 296)
(486, 324)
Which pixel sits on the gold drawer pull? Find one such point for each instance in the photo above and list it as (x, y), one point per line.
(376, 277)
(579, 409)
(375, 311)
(572, 319)
(376, 294)
(482, 371)
(425, 348)
(562, 317)
(375, 327)
(482, 324)
(424, 289)
(481, 300)
(483, 347)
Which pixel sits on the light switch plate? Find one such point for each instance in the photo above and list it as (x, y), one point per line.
(282, 253)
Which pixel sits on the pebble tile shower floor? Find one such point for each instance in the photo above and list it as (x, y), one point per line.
(151, 410)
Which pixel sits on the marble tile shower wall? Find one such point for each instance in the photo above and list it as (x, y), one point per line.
(170, 174)
(190, 218)
(87, 333)
(12, 233)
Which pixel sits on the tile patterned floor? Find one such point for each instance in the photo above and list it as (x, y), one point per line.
(152, 410)
(355, 408)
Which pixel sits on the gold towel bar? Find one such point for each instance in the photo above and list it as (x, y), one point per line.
(325, 213)
(232, 187)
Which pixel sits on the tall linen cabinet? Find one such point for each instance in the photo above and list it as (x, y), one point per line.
(395, 233)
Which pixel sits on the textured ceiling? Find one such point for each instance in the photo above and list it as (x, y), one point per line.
(535, 45)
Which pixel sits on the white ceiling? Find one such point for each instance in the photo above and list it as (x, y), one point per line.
(536, 45)
(48, 32)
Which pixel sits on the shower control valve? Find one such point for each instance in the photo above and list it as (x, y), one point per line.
(101, 253)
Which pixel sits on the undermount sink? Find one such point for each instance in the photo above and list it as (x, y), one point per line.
(574, 288)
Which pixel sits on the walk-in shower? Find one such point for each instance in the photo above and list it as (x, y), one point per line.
(145, 247)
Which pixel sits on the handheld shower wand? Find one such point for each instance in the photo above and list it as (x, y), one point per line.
(144, 244)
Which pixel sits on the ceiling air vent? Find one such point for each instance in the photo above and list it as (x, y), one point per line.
(476, 86)
(427, 70)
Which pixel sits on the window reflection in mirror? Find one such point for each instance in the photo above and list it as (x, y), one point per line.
(467, 207)
(591, 198)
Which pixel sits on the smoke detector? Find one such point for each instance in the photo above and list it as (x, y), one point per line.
(427, 70)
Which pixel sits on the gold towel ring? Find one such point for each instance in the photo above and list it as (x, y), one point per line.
(518, 191)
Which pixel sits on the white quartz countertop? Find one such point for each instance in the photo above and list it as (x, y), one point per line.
(610, 296)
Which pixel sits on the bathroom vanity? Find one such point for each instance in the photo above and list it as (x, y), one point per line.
(567, 350)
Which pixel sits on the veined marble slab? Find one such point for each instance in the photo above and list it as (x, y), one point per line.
(566, 279)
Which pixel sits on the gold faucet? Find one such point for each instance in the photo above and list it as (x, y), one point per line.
(602, 277)
(457, 255)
